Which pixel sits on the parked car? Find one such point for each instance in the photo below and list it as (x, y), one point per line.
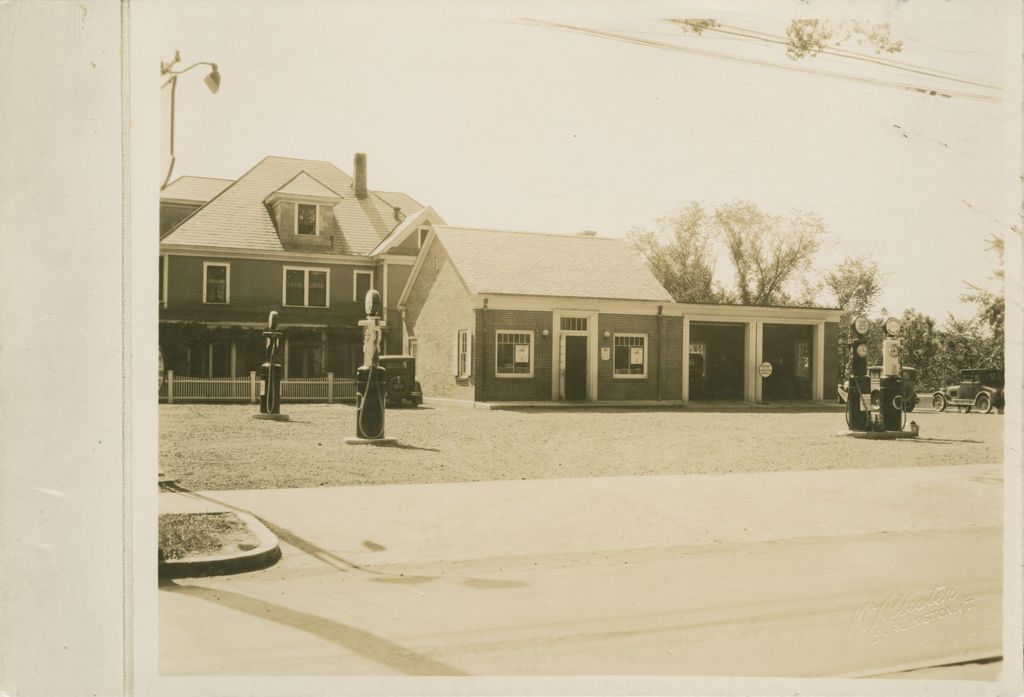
(400, 384)
(980, 389)
(875, 373)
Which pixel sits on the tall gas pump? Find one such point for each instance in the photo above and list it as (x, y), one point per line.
(891, 384)
(270, 373)
(370, 404)
(858, 384)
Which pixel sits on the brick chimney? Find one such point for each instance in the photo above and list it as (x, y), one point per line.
(360, 175)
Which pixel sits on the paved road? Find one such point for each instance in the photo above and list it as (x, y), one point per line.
(819, 573)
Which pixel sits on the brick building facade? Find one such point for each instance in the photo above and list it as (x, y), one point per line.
(509, 316)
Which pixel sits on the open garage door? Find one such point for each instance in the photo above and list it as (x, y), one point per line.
(717, 352)
(789, 348)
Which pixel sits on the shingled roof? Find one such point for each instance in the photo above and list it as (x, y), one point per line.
(525, 263)
(302, 184)
(238, 218)
(193, 189)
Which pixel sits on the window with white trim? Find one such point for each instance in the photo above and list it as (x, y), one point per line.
(463, 354)
(304, 287)
(573, 324)
(216, 283)
(412, 346)
(630, 360)
(513, 354)
(307, 217)
(362, 282)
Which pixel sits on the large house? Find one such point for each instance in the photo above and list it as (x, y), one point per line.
(510, 316)
(298, 236)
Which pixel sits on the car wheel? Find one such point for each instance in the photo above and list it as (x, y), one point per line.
(876, 399)
(938, 402)
(910, 406)
(983, 403)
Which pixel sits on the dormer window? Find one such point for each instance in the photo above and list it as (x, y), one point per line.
(306, 219)
(302, 207)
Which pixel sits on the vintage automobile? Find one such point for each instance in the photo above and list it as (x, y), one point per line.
(400, 384)
(979, 389)
(875, 372)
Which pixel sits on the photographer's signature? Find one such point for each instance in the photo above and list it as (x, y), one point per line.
(877, 619)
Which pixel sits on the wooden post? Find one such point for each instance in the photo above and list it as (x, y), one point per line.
(252, 387)
(330, 388)
(170, 387)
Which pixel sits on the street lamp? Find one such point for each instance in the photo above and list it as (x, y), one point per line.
(212, 82)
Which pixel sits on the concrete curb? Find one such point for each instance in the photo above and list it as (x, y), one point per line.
(265, 554)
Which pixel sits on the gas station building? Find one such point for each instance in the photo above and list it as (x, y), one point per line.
(527, 317)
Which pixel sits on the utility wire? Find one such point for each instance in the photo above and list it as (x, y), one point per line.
(752, 61)
(845, 53)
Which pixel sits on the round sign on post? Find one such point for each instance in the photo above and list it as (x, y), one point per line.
(765, 369)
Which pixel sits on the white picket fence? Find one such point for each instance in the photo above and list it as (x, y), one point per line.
(247, 389)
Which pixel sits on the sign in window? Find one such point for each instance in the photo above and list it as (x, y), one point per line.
(514, 354)
(630, 355)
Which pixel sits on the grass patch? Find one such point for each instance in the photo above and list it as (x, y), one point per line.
(189, 534)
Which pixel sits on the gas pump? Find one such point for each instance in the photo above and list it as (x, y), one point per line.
(891, 384)
(370, 376)
(858, 384)
(270, 371)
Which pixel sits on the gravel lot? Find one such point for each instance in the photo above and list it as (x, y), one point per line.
(208, 447)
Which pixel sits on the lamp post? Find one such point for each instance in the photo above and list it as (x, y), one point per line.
(212, 82)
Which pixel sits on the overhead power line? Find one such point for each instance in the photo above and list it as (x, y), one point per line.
(845, 53)
(753, 61)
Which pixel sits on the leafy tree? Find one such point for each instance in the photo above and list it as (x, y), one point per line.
(921, 341)
(697, 26)
(855, 285)
(991, 311)
(961, 344)
(768, 252)
(809, 37)
(679, 254)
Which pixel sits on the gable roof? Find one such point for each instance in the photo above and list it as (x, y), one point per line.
(193, 189)
(238, 218)
(525, 263)
(302, 184)
(405, 228)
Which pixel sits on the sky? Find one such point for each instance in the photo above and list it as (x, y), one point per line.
(497, 122)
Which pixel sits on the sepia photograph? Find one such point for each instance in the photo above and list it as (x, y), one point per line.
(520, 347)
(524, 340)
